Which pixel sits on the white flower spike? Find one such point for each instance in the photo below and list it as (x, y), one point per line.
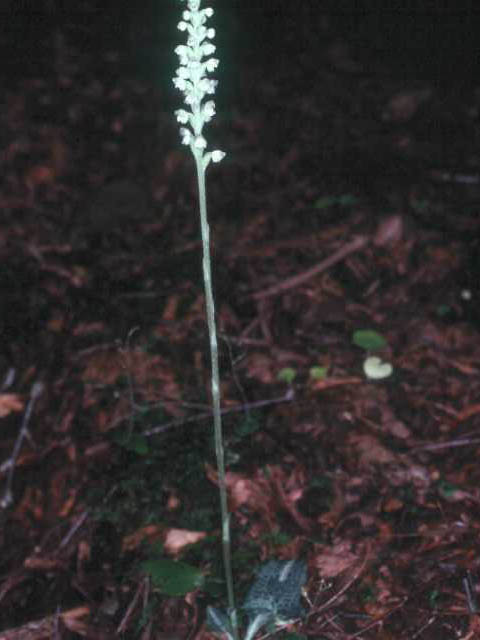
(192, 81)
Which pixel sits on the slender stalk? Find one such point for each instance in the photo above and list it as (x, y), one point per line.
(193, 81)
(217, 416)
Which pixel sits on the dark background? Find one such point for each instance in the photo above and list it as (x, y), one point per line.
(438, 40)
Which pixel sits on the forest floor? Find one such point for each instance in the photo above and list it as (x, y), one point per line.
(345, 226)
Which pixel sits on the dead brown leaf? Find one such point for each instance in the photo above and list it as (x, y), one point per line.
(369, 450)
(151, 533)
(332, 561)
(10, 403)
(404, 104)
(177, 539)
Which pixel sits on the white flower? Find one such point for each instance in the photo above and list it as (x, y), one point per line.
(208, 110)
(211, 64)
(217, 155)
(200, 142)
(186, 135)
(207, 86)
(208, 49)
(182, 51)
(190, 99)
(192, 80)
(179, 83)
(183, 72)
(214, 156)
(182, 116)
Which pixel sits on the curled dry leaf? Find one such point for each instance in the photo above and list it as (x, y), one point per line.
(10, 402)
(151, 533)
(335, 560)
(390, 231)
(266, 494)
(261, 367)
(398, 429)
(177, 539)
(403, 105)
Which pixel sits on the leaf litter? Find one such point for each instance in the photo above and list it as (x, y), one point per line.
(352, 229)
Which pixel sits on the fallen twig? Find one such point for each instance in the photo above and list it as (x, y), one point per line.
(356, 244)
(35, 393)
(288, 397)
(450, 444)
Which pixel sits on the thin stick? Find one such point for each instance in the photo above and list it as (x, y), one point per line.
(354, 245)
(35, 393)
(239, 408)
(217, 415)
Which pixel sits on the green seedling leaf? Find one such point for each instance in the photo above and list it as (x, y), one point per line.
(420, 205)
(318, 373)
(248, 426)
(434, 598)
(277, 538)
(287, 374)
(134, 442)
(173, 578)
(368, 594)
(447, 489)
(368, 339)
(347, 200)
(326, 202)
(443, 310)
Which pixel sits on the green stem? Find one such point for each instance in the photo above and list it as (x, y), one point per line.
(217, 418)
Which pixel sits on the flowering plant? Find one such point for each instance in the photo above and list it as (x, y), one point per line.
(274, 598)
(192, 80)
